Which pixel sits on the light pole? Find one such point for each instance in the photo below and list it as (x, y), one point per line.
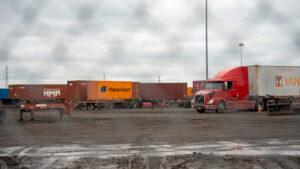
(206, 39)
(241, 45)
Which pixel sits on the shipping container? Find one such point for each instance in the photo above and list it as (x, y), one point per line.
(163, 91)
(189, 92)
(38, 92)
(112, 90)
(4, 94)
(274, 80)
(136, 90)
(77, 90)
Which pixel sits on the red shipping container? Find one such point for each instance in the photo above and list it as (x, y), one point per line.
(136, 90)
(38, 92)
(77, 90)
(163, 91)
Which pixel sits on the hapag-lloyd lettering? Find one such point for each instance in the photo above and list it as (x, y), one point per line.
(52, 92)
(119, 89)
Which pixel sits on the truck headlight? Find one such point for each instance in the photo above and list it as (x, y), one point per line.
(211, 101)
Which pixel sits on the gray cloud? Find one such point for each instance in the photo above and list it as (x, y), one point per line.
(51, 41)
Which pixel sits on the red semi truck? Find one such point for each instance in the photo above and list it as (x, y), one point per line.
(274, 88)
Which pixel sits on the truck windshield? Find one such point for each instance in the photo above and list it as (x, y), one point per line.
(213, 85)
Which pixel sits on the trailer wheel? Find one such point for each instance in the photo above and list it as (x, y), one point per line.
(2, 115)
(200, 110)
(221, 107)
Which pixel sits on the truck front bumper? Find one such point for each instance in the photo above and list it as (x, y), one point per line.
(207, 107)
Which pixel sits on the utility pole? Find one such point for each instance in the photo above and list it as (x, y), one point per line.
(104, 77)
(158, 79)
(206, 39)
(6, 76)
(241, 45)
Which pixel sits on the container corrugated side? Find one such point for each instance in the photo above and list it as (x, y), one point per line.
(163, 91)
(110, 90)
(136, 90)
(189, 91)
(92, 90)
(77, 90)
(274, 80)
(38, 92)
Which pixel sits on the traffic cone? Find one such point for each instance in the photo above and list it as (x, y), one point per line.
(259, 108)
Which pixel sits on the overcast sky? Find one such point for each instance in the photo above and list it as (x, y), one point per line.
(53, 41)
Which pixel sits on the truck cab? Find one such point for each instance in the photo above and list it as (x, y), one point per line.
(229, 89)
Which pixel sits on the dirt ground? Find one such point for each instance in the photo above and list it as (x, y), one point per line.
(143, 130)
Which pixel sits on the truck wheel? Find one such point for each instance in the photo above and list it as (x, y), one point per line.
(2, 115)
(200, 110)
(221, 107)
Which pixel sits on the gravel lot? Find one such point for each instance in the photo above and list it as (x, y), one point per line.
(145, 138)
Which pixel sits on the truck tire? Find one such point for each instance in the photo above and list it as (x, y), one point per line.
(221, 107)
(200, 110)
(2, 115)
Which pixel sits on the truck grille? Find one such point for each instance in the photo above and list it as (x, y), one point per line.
(199, 98)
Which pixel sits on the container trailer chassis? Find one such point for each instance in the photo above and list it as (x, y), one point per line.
(111, 103)
(65, 107)
(282, 105)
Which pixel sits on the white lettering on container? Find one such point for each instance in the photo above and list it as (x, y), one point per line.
(51, 92)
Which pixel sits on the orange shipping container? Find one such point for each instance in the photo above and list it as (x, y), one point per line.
(189, 91)
(111, 90)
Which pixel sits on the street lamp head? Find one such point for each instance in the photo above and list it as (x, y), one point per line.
(241, 45)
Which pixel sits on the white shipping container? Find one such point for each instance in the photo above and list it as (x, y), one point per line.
(274, 80)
